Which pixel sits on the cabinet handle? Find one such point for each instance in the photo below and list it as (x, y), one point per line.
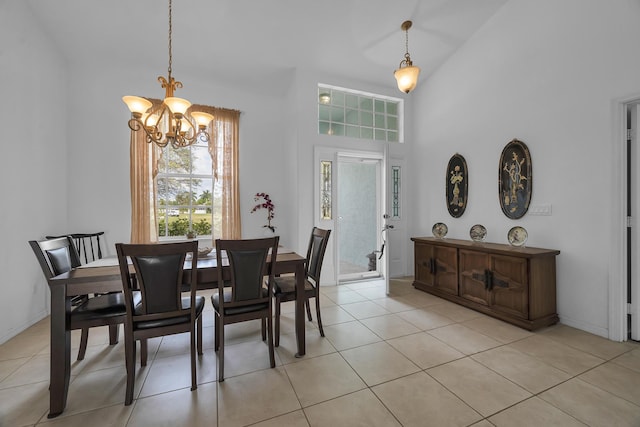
(489, 279)
(434, 266)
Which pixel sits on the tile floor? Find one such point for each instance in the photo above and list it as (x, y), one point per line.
(408, 359)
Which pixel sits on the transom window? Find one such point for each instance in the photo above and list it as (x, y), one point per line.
(355, 114)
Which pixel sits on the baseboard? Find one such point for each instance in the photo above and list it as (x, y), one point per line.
(16, 331)
(587, 327)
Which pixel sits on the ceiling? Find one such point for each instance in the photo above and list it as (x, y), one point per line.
(255, 42)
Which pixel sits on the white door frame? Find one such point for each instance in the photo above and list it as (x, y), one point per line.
(618, 258)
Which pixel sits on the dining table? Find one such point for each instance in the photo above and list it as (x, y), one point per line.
(103, 275)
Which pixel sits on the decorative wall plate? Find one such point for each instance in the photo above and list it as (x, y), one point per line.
(517, 236)
(478, 233)
(440, 230)
(457, 184)
(515, 179)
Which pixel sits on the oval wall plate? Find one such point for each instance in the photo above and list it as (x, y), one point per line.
(515, 179)
(457, 184)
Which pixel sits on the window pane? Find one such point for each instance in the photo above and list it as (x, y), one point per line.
(351, 101)
(323, 128)
(366, 133)
(392, 123)
(337, 98)
(337, 114)
(201, 158)
(353, 131)
(337, 129)
(366, 119)
(366, 104)
(381, 135)
(379, 106)
(380, 121)
(323, 112)
(352, 117)
(392, 108)
(392, 136)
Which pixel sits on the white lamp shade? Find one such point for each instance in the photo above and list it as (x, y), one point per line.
(177, 105)
(137, 104)
(202, 118)
(407, 78)
(150, 119)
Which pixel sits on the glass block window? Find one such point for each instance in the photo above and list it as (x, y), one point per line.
(354, 114)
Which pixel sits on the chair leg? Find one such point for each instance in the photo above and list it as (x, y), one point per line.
(130, 361)
(306, 303)
(216, 333)
(143, 352)
(114, 331)
(194, 381)
(318, 315)
(277, 327)
(263, 327)
(84, 337)
(199, 327)
(272, 358)
(221, 352)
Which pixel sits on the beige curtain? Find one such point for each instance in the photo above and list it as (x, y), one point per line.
(143, 170)
(223, 130)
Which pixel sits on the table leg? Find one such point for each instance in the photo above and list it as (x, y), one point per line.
(60, 367)
(300, 310)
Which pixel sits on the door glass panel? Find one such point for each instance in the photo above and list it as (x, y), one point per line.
(357, 205)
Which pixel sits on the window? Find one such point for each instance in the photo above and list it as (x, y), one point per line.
(345, 112)
(186, 193)
(189, 189)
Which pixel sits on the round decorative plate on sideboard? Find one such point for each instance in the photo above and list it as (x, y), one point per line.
(517, 236)
(440, 229)
(478, 232)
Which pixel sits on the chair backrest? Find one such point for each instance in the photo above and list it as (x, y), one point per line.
(87, 245)
(55, 256)
(247, 260)
(159, 270)
(315, 253)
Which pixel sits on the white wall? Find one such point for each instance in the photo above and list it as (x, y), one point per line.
(548, 73)
(33, 172)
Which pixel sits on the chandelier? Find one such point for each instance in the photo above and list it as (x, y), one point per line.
(169, 122)
(407, 74)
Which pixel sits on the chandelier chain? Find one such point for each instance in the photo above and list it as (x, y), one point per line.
(170, 33)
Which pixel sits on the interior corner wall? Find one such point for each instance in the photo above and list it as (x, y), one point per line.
(33, 172)
(546, 72)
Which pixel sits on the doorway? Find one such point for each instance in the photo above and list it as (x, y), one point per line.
(359, 210)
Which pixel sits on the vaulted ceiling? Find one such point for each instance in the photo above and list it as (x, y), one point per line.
(257, 41)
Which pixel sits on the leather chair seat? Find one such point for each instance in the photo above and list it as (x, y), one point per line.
(186, 305)
(287, 284)
(106, 305)
(215, 300)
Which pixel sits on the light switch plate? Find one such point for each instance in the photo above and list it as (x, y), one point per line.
(541, 210)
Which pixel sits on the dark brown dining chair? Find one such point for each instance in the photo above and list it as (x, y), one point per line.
(244, 295)
(87, 244)
(158, 273)
(57, 256)
(89, 249)
(285, 287)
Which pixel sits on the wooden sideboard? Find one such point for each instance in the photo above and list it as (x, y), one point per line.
(514, 284)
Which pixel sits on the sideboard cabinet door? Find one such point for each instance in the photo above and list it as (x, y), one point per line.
(509, 285)
(437, 267)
